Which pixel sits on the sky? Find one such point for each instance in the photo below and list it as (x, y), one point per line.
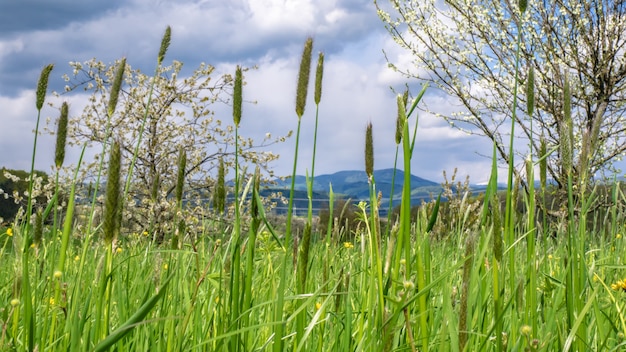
(357, 88)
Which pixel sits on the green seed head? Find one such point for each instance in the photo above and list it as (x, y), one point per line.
(319, 72)
(237, 96)
(497, 228)
(369, 151)
(156, 182)
(219, 194)
(112, 203)
(117, 86)
(254, 205)
(530, 172)
(165, 43)
(567, 129)
(180, 182)
(38, 229)
(530, 91)
(42, 85)
(405, 97)
(401, 120)
(303, 77)
(523, 4)
(59, 152)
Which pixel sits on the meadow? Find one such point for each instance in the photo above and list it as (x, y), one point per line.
(490, 276)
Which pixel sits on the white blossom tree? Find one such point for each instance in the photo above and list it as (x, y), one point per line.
(180, 115)
(467, 49)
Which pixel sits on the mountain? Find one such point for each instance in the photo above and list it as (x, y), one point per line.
(354, 185)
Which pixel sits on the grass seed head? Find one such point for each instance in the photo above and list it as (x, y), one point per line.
(319, 73)
(497, 228)
(530, 91)
(180, 181)
(567, 131)
(401, 120)
(523, 5)
(303, 77)
(219, 194)
(59, 151)
(42, 85)
(237, 96)
(369, 151)
(38, 229)
(112, 196)
(117, 85)
(165, 43)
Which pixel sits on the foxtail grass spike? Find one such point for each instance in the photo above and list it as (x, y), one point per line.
(303, 77)
(165, 43)
(42, 85)
(112, 195)
(237, 96)
(59, 151)
(405, 97)
(566, 129)
(219, 193)
(399, 123)
(530, 91)
(180, 181)
(117, 86)
(38, 228)
(319, 73)
(523, 4)
(369, 151)
(543, 161)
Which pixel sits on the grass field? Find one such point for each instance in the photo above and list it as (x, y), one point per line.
(492, 279)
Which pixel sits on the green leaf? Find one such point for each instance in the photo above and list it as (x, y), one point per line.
(135, 319)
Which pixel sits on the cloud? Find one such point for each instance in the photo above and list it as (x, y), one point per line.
(358, 85)
(19, 117)
(28, 15)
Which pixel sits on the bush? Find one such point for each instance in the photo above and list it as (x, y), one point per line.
(345, 219)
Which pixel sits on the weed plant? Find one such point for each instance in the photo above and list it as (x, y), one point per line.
(495, 282)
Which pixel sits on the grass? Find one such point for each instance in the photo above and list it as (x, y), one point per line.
(496, 281)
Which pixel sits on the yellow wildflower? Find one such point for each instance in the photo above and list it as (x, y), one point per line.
(9, 232)
(619, 285)
(348, 245)
(76, 258)
(526, 330)
(318, 305)
(57, 274)
(119, 250)
(15, 302)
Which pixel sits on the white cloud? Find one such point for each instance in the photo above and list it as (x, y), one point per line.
(10, 47)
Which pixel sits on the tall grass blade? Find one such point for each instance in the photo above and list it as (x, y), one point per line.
(133, 321)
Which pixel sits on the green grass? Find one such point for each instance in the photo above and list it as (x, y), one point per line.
(494, 281)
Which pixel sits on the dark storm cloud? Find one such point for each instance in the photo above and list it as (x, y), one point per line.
(26, 15)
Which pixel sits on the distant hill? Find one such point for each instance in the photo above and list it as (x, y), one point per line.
(355, 182)
(353, 185)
